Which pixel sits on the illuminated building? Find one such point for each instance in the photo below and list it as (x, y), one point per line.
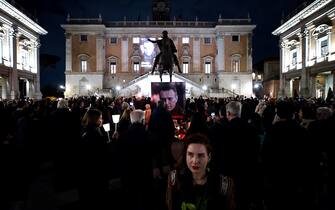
(307, 51)
(266, 78)
(103, 55)
(19, 54)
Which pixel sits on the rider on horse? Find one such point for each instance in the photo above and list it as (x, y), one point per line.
(166, 47)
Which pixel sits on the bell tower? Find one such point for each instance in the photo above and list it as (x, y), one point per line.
(161, 10)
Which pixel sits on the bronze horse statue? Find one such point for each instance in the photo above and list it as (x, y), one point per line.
(165, 63)
(166, 58)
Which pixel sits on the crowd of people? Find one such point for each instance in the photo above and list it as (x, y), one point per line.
(236, 153)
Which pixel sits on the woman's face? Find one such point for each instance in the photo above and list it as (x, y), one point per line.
(197, 158)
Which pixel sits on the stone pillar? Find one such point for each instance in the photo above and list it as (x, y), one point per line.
(301, 52)
(68, 52)
(312, 86)
(37, 94)
(249, 53)
(281, 92)
(306, 46)
(100, 49)
(14, 86)
(196, 54)
(304, 81)
(124, 54)
(220, 56)
(4, 88)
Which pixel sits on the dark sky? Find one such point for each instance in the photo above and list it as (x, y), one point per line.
(265, 14)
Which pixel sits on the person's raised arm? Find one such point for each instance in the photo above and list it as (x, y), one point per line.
(152, 41)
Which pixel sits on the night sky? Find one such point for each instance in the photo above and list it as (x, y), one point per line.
(265, 14)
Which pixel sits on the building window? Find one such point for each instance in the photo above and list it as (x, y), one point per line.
(24, 59)
(259, 76)
(324, 47)
(185, 40)
(83, 65)
(207, 67)
(235, 38)
(294, 58)
(113, 67)
(207, 40)
(136, 40)
(136, 66)
(83, 38)
(113, 40)
(235, 63)
(185, 67)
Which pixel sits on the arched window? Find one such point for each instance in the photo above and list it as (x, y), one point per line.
(208, 61)
(83, 62)
(136, 60)
(112, 63)
(186, 64)
(321, 33)
(235, 62)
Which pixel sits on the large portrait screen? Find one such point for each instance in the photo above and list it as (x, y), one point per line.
(172, 93)
(149, 51)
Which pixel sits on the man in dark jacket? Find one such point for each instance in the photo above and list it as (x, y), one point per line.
(239, 155)
(287, 162)
(136, 169)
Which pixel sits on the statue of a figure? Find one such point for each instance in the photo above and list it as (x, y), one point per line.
(167, 52)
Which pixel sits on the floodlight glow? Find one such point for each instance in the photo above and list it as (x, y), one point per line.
(88, 87)
(256, 86)
(233, 86)
(204, 87)
(62, 87)
(118, 87)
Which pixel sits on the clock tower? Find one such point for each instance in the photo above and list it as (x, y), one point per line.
(161, 10)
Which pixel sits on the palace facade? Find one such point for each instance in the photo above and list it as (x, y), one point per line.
(307, 51)
(19, 54)
(116, 57)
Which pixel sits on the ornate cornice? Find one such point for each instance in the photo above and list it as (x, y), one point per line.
(15, 13)
(321, 29)
(309, 10)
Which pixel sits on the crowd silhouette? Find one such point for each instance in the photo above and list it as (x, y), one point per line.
(276, 154)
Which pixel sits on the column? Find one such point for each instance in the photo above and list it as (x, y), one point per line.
(3, 82)
(304, 81)
(301, 53)
(306, 32)
(68, 52)
(312, 86)
(196, 54)
(220, 56)
(14, 86)
(38, 94)
(124, 54)
(249, 53)
(100, 49)
(281, 92)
